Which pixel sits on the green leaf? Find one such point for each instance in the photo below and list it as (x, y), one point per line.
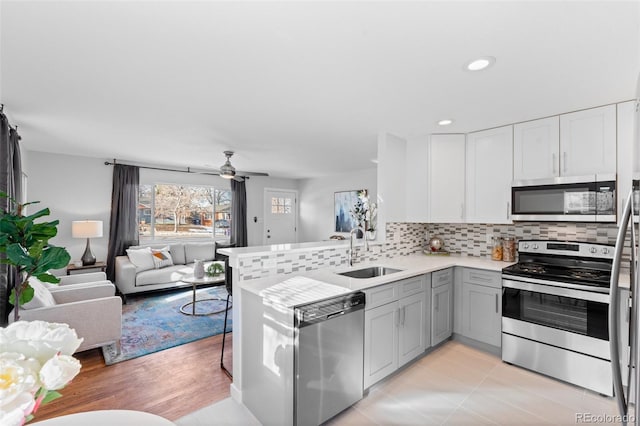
(36, 215)
(48, 278)
(54, 258)
(26, 295)
(18, 256)
(51, 396)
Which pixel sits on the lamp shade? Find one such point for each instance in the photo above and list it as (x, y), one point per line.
(86, 228)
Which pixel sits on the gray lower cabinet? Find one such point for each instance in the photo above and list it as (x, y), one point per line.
(394, 331)
(441, 305)
(481, 316)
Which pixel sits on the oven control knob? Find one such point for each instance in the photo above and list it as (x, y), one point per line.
(593, 250)
(525, 246)
(605, 250)
(535, 247)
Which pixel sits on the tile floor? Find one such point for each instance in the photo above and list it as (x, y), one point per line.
(453, 385)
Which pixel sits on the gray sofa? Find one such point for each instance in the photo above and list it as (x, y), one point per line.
(130, 280)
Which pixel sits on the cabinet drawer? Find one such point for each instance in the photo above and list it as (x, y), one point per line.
(378, 296)
(481, 277)
(411, 286)
(439, 278)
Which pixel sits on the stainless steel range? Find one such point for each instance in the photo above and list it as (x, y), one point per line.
(555, 304)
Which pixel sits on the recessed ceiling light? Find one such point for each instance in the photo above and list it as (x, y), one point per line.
(480, 63)
(445, 122)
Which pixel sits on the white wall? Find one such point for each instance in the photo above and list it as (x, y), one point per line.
(73, 188)
(77, 188)
(316, 199)
(255, 204)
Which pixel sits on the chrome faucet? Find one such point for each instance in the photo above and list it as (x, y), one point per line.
(352, 252)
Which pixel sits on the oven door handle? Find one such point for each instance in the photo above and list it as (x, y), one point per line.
(556, 291)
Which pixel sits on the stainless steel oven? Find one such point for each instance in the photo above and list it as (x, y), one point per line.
(555, 304)
(582, 199)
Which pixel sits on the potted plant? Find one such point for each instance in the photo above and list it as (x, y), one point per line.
(25, 245)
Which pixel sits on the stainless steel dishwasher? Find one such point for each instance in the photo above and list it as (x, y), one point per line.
(328, 357)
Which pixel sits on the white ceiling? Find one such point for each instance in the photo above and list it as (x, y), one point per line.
(298, 89)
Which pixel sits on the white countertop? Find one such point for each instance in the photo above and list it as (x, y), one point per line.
(297, 247)
(410, 266)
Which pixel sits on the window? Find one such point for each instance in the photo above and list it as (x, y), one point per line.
(170, 212)
(280, 205)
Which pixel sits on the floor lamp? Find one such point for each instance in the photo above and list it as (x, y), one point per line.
(87, 229)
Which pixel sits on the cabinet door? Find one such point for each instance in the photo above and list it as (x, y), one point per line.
(380, 342)
(411, 342)
(446, 178)
(489, 175)
(481, 313)
(441, 324)
(626, 114)
(588, 142)
(536, 149)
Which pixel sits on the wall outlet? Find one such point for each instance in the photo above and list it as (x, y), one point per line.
(269, 264)
(489, 239)
(396, 237)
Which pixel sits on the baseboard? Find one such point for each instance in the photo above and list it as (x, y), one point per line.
(494, 350)
(236, 394)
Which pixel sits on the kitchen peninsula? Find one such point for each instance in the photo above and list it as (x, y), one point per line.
(428, 281)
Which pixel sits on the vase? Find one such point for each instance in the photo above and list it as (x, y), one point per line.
(198, 268)
(371, 235)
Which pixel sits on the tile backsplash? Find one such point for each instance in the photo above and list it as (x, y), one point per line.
(475, 239)
(408, 238)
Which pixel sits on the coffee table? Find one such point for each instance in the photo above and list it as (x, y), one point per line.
(195, 282)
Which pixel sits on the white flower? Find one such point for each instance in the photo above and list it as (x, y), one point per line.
(58, 371)
(39, 339)
(14, 414)
(17, 375)
(18, 384)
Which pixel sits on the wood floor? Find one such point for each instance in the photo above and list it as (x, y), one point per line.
(170, 383)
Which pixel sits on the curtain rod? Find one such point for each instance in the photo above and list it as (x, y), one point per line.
(108, 163)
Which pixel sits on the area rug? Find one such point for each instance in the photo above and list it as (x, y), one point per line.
(151, 323)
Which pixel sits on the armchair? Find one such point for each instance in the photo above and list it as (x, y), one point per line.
(87, 302)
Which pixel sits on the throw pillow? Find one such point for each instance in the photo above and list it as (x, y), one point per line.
(162, 257)
(42, 297)
(141, 258)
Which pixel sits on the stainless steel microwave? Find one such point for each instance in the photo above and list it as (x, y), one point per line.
(565, 199)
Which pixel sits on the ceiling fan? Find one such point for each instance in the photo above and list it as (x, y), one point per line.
(227, 171)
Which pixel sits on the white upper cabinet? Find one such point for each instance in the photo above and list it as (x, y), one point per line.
(588, 142)
(536, 149)
(488, 176)
(446, 178)
(417, 175)
(626, 113)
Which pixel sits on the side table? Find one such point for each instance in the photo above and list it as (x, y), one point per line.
(98, 265)
(195, 282)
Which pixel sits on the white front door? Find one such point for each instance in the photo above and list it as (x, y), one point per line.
(280, 216)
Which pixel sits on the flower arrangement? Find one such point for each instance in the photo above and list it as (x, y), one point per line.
(364, 212)
(35, 362)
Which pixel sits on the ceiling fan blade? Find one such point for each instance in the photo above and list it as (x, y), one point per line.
(238, 178)
(241, 173)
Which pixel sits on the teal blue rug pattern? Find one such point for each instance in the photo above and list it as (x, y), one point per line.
(153, 322)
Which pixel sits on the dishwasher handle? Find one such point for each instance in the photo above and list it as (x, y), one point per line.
(328, 309)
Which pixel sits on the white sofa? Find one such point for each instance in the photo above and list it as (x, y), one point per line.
(87, 302)
(130, 279)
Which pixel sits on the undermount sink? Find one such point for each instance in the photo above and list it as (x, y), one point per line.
(371, 272)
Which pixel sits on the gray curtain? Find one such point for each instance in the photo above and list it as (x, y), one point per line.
(123, 225)
(238, 213)
(10, 183)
